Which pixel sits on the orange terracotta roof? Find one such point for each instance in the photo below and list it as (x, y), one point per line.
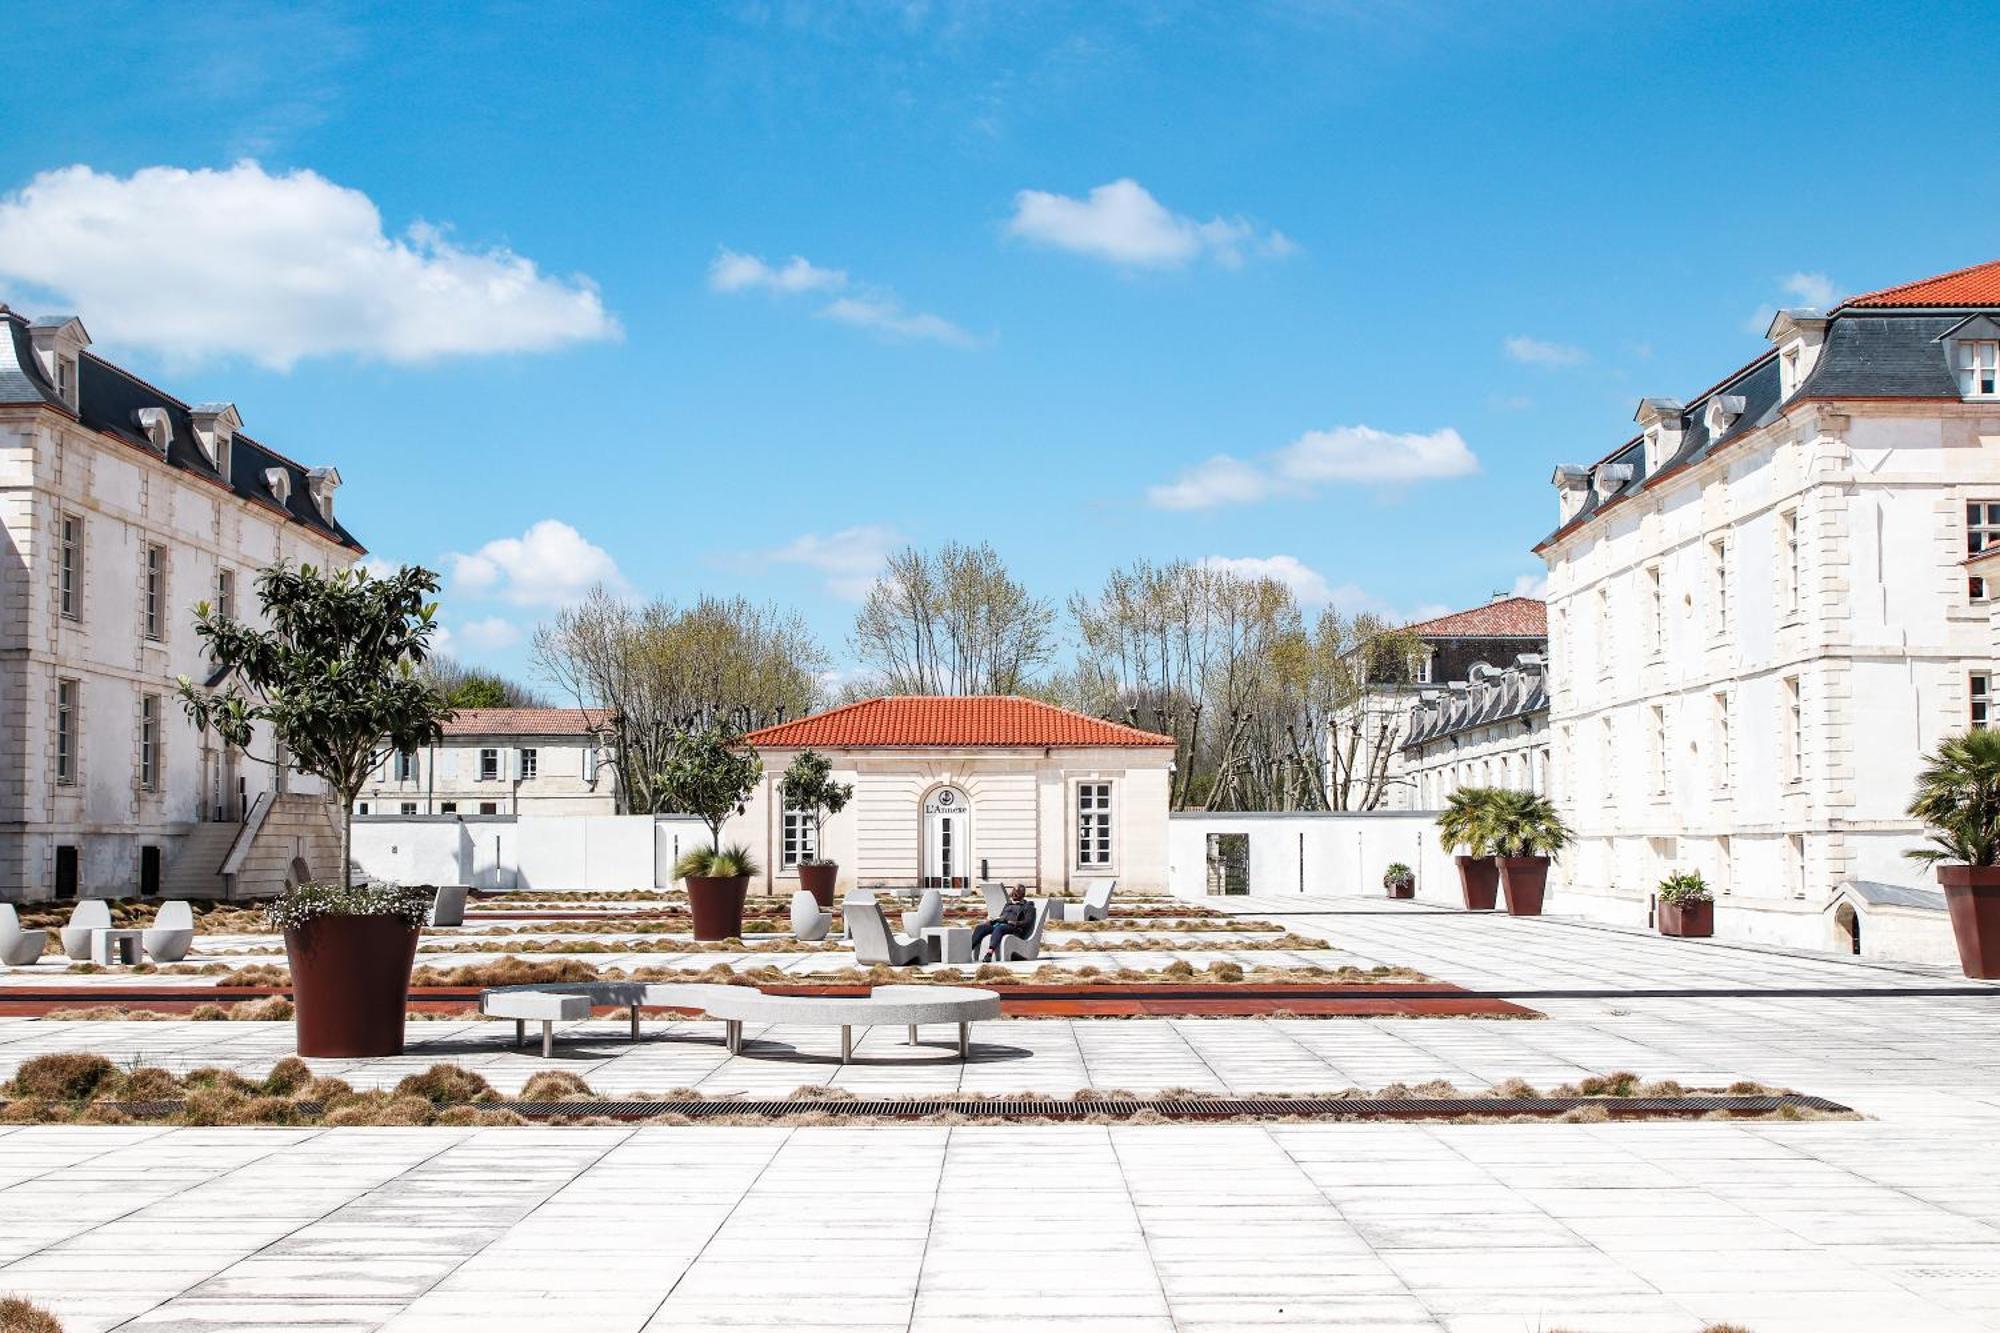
(1977, 285)
(943, 721)
(525, 721)
(1502, 618)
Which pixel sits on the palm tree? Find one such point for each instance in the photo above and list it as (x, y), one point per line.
(1525, 824)
(1467, 820)
(1958, 797)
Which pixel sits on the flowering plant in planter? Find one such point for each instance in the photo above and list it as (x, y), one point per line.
(1958, 799)
(303, 904)
(1687, 908)
(1399, 880)
(808, 786)
(1684, 886)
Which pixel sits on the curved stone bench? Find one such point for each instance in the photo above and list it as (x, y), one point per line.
(906, 1006)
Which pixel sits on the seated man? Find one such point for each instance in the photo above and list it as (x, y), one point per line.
(1017, 918)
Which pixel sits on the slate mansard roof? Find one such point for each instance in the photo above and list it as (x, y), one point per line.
(906, 722)
(108, 400)
(1520, 691)
(1885, 345)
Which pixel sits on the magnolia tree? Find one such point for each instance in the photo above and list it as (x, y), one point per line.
(808, 785)
(335, 676)
(706, 773)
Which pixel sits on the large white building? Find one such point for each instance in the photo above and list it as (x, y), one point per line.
(951, 790)
(1488, 730)
(1761, 619)
(123, 508)
(503, 761)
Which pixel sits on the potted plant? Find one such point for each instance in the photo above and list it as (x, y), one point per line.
(1526, 833)
(809, 788)
(1466, 822)
(1958, 798)
(1400, 881)
(1686, 907)
(706, 775)
(334, 682)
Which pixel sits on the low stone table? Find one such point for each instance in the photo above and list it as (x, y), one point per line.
(949, 944)
(109, 948)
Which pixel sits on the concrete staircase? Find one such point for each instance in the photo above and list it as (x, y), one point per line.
(196, 868)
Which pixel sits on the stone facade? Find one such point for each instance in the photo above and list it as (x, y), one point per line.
(124, 507)
(1491, 730)
(503, 761)
(1761, 621)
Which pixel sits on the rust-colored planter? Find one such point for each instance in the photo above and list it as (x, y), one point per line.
(1402, 889)
(717, 905)
(1688, 921)
(1972, 894)
(1479, 878)
(1524, 879)
(351, 983)
(818, 880)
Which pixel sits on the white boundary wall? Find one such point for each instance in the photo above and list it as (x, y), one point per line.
(1315, 853)
(604, 852)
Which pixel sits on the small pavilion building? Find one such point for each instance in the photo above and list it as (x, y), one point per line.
(954, 790)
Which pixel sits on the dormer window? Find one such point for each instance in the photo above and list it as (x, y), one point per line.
(1660, 424)
(1608, 478)
(1788, 371)
(1572, 485)
(215, 427)
(1721, 413)
(156, 426)
(322, 482)
(279, 481)
(59, 341)
(1799, 335)
(1977, 364)
(66, 379)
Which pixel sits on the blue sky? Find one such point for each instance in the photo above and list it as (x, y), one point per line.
(1328, 286)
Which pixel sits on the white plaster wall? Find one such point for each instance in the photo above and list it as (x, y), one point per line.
(610, 852)
(1294, 854)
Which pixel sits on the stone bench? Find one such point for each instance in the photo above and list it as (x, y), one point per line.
(902, 1006)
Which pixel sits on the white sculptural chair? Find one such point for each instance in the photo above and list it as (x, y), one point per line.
(18, 947)
(92, 914)
(172, 933)
(930, 911)
(810, 921)
(1013, 947)
(873, 940)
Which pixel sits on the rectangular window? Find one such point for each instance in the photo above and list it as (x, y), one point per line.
(1978, 368)
(1658, 721)
(1795, 863)
(1718, 584)
(1724, 867)
(1795, 731)
(1426, 665)
(1604, 763)
(69, 575)
(149, 742)
(1979, 694)
(66, 722)
(489, 808)
(489, 765)
(1982, 533)
(361, 807)
(1093, 823)
(1725, 759)
(448, 808)
(1788, 555)
(1602, 629)
(407, 808)
(406, 767)
(801, 840)
(156, 592)
(528, 762)
(1656, 612)
(225, 593)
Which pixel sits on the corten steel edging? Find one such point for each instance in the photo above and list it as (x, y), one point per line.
(1179, 1108)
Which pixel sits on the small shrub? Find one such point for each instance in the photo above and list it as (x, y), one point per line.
(1180, 969)
(226, 1080)
(328, 1091)
(209, 1013)
(553, 1085)
(147, 1083)
(447, 1083)
(406, 1111)
(271, 1111)
(213, 1105)
(1621, 1084)
(19, 1316)
(270, 1009)
(30, 1111)
(287, 1077)
(1225, 971)
(97, 1113)
(256, 975)
(66, 1077)
(1515, 1087)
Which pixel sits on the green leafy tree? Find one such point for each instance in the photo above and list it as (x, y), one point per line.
(706, 773)
(1958, 797)
(808, 785)
(335, 676)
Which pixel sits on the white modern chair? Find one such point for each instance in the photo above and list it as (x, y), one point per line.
(1096, 904)
(930, 911)
(88, 915)
(172, 933)
(810, 921)
(995, 895)
(1012, 947)
(18, 947)
(448, 908)
(873, 940)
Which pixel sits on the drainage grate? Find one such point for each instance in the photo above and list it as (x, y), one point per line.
(1177, 1108)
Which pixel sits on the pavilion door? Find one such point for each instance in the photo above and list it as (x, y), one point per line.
(947, 839)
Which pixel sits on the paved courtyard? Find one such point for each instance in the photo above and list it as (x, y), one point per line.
(1891, 1222)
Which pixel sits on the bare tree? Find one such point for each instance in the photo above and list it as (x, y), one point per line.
(952, 621)
(472, 687)
(662, 670)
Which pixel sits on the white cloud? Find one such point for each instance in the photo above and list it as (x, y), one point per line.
(1123, 223)
(850, 559)
(886, 316)
(548, 565)
(1535, 352)
(863, 307)
(1345, 454)
(1532, 585)
(733, 272)
(376, 567)
(1307, 584)
(1814, 289)
(1220, 480)
(489, 634)
(195, 265)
